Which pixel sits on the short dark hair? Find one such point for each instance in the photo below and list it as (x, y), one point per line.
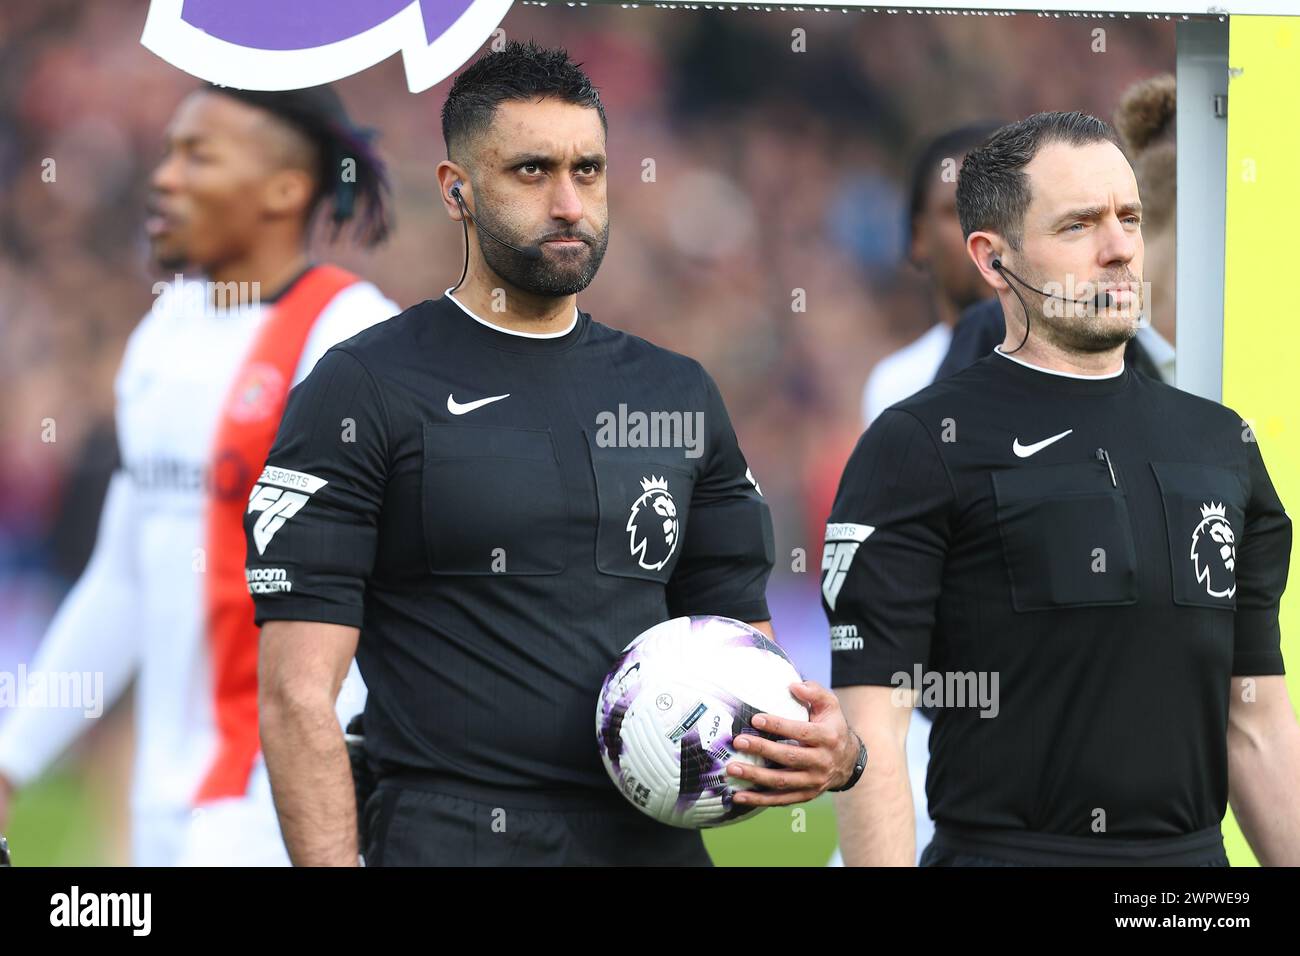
(951, 144)
(318, 114)
(992, 188)
(516, 72)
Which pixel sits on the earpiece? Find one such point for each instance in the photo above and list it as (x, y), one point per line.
(1102, 300)
(532, 253)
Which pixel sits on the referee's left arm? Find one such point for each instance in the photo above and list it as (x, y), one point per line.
(1264, 768)
(727, 547)
(727, 556)
(1263, 736)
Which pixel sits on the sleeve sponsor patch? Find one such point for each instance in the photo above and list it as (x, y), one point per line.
(279, 495)
(845, 637)
(268, 581)
(842, 540)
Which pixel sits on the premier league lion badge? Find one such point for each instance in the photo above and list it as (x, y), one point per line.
(652, 525)
(1214, 552)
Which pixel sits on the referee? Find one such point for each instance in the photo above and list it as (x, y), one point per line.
(463, 498)
(1078, 565)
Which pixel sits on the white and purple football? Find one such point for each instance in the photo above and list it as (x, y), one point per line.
(672, 705)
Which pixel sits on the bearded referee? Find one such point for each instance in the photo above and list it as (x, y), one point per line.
(1079, 566)
(441, 500)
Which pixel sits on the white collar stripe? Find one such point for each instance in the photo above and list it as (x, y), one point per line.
(1049, 371)
(523, 335)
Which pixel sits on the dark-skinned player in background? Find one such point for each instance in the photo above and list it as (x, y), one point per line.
(246, 181)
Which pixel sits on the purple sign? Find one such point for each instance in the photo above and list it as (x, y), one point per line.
(291, 44)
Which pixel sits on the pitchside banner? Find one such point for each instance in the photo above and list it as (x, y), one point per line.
(290, 44)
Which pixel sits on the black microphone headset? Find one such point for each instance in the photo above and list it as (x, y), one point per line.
(528, 252)
(1102, 300)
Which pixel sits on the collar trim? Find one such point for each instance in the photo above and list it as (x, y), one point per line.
(1049, 371)
(523, 335)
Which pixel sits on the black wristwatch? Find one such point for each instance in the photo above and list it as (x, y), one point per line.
(859, 765)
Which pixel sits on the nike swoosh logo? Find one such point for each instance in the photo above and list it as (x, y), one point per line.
(456, 408)
(1024, 451)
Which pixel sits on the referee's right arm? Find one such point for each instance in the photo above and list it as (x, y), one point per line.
(311, 527)
(301, 666)
(877, 821)
(882, 570)
(300, 669)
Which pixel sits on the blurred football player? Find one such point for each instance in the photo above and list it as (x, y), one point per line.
(936, 247)
(244, 179)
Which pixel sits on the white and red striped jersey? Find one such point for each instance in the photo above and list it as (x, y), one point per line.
(198, 397)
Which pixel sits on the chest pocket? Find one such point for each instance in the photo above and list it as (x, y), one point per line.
(1205, 519)
(643, 505)
(1066, 536)
(491, 500)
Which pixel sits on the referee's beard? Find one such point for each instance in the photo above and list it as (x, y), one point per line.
(559, 272)
(1069, 327)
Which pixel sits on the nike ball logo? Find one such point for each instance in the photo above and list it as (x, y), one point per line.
(456, 408)
(1024, 451)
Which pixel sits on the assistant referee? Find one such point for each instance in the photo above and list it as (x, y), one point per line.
(1079, 566)
(450, 498)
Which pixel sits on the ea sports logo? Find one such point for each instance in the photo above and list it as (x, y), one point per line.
(652, 525)
(1214, 552)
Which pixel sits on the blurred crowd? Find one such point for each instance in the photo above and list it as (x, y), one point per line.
(757, 198)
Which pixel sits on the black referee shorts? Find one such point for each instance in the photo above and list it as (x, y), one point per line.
(961, 846)
(415, 820)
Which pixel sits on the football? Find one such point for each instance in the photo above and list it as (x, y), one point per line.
(673, 704)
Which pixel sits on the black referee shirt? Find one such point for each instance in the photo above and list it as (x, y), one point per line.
(1110, 548)
(494, 515)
